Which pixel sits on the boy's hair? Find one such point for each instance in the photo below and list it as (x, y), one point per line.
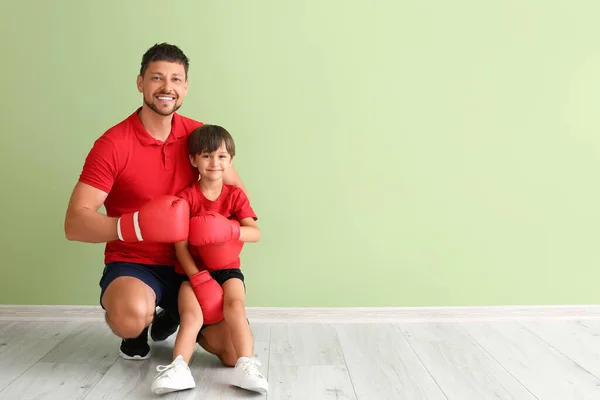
(209, 138)
(164, 52)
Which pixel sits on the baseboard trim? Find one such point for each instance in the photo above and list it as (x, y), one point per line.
(333, 314)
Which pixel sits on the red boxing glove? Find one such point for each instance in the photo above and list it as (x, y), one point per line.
(220, 255)
(210, 296)
(211, 227)
(164, 219)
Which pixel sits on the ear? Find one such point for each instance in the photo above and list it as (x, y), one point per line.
(193, 160)
(140, 84)
(186, 87)
(231, 160)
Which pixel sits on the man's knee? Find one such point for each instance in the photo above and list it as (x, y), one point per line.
(126, 326)
(129, 305)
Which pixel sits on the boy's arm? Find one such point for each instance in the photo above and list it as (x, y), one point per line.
(249, 231)
(185, 258)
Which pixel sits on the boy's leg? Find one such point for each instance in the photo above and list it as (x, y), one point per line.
(246, 372)
(190, 322)
(234, 311)
(216, 339)
(177, 375)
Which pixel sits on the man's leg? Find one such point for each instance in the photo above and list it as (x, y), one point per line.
(129, 294)
(166, 321)
(129, 305)
(164, 325)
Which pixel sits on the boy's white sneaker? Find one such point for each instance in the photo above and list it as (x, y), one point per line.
(246, 375)
(173, 377)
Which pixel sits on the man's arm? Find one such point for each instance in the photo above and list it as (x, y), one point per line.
(185, 258)
(83, 222)
(231, 177)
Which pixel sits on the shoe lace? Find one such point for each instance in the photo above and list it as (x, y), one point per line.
(168, 370)
(251, 366)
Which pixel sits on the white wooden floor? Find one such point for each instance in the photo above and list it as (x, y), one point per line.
(444, 360)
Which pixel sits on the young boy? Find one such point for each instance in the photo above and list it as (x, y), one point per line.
(211, 149)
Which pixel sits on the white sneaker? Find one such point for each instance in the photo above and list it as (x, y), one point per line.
(173, 377)
(247, 376)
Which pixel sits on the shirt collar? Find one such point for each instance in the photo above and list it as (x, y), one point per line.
(146, 139)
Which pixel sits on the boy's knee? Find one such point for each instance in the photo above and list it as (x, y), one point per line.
(228, 359)
(234, 306)
(191, 319)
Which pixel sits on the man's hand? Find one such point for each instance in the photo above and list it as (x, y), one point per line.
(164, 219)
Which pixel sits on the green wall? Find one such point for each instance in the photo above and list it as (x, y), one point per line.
(398, 153)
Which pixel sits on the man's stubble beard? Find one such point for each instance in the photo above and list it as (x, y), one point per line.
(159, 112)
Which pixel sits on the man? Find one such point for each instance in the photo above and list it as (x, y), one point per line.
(130, 169)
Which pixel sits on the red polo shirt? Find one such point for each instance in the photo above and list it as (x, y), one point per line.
(134, 168)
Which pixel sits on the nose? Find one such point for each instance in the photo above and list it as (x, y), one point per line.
(166, 85)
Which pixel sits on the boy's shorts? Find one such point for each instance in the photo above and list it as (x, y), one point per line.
(223, 275)
(161, 278)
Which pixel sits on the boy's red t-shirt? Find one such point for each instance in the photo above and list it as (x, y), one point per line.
(232, 204)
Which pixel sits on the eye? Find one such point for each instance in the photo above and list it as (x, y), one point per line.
(177, 80)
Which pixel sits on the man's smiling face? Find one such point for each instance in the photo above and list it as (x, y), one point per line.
(164, 86)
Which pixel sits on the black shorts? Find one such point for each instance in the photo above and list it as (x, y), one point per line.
(161, 278)
(223, 275)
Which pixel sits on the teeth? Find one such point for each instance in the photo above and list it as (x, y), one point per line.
(164, 98)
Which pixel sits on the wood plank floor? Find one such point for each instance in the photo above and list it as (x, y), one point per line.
(525, 359)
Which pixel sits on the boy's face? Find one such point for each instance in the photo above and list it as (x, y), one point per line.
(211, 166)
(164, 86)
